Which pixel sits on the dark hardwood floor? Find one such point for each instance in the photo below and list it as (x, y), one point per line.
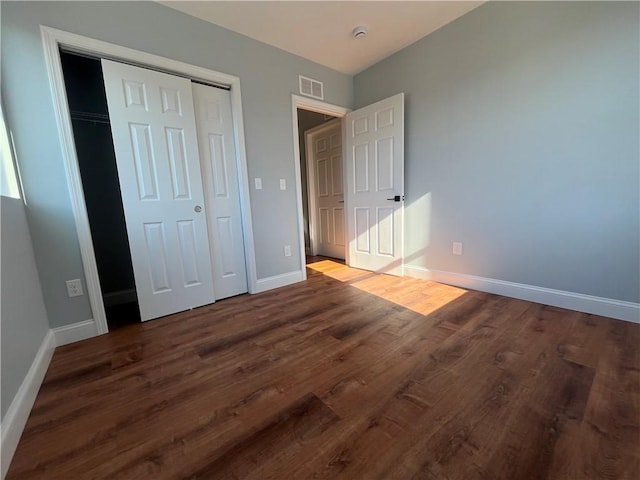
(347, 375)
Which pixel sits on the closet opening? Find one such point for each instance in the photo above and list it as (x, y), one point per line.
(145, 71)
(96, 158)
(160, 178)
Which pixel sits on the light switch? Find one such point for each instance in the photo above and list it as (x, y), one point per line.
(258, 183)
(283, 184)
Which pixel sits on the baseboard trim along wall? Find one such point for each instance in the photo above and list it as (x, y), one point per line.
(75, 332)
(606, 307)
(18, 412)
(16, 417)
(277, 281)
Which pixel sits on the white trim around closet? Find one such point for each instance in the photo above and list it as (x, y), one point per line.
(52, 40)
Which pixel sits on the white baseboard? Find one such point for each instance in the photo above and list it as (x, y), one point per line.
(277, 281)
(75, 332)
(605, 307)
(16, 417)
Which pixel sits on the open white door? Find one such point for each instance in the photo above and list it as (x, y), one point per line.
(326, 189)
(374, 138)
(220, 174)
(154, 135)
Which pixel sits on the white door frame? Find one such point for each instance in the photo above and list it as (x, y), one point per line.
(317, 106)
(311, 182)
(52, 40)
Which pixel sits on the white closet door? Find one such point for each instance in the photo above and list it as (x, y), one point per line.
(154, 135)
(220, 175)
(374, 138)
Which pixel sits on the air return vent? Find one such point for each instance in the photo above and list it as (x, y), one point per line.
(311, 87)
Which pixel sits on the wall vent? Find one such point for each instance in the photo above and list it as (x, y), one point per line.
(311, 87)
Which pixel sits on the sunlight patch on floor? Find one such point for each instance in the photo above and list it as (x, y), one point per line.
(420, 296)
(337, 271)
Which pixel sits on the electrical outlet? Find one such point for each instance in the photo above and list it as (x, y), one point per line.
(283, 184)
(287, 250)
(457, 248)
(74, 288)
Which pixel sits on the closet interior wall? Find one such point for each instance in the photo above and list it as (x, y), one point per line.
(96, 157)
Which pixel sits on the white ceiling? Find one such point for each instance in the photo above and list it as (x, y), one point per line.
(321, 31)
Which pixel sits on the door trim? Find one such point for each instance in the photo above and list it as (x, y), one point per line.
(52, 40)
(311, 181)
(312, 105)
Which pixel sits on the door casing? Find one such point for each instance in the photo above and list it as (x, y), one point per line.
(53, 40)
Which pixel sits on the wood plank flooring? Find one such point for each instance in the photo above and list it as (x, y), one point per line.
(348, 375)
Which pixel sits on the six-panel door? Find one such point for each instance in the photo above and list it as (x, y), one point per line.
(375, 185)
(220, 178)
(327, 189)
(154, 135)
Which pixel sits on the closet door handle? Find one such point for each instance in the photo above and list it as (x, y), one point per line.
(197, 209)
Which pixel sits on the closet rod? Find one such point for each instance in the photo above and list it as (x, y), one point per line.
(89, 116)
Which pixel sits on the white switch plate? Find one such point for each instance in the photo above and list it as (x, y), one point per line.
(283, 184)
(74, 288)
(457, 248)
(287, 250)
(258, 183)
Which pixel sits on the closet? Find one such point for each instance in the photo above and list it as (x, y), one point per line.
(158, 166)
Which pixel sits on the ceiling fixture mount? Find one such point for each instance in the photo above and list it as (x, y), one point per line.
(359, 32)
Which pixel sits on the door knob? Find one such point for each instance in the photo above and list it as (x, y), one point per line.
(397, 198)
(197, 209)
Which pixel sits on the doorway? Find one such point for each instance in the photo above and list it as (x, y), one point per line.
(373, 167)
(309, 114)
(308, 121)
(325, 180)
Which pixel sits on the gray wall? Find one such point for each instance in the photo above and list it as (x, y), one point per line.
(24, 320)
(306, 121)
(522, 141)
(268, 77)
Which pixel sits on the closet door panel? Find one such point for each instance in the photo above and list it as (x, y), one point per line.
(154, 135)
(220, 175)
